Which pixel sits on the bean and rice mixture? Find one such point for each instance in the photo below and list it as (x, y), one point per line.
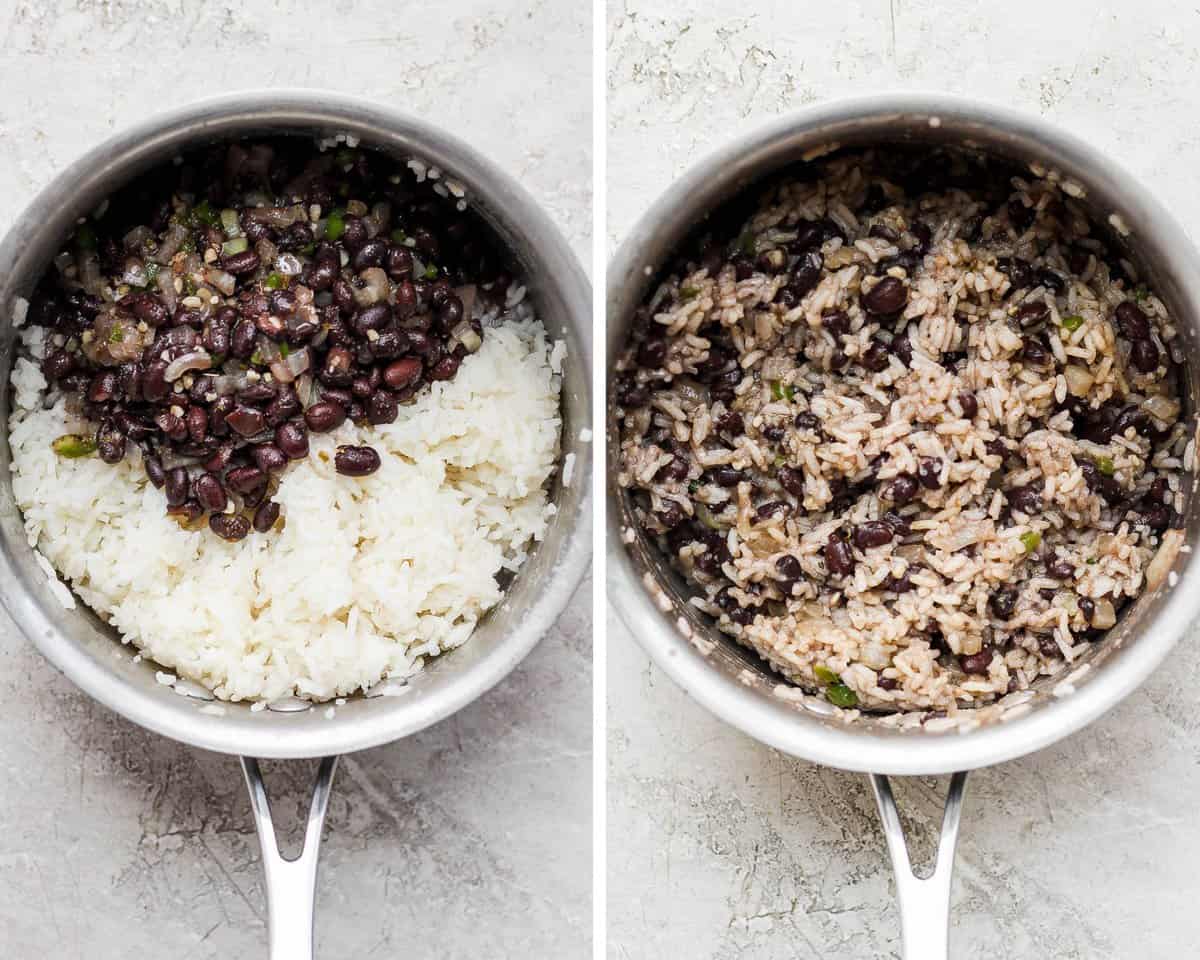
(912, 429)
(282, 416)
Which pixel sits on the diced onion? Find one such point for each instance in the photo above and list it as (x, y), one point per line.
(288, 265)
(172, 241)
(135, 240)
(1079, 380)
(1104, 616)
(465, 334)
(166, 287)
(1161, 408)
(236, 245)
(375, 287)
(225, 282)
(230, 383)
(230, 223)
(135, 273)
(195, 360)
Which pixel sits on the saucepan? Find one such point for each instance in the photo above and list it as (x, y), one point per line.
(87, 650)
(738, 687)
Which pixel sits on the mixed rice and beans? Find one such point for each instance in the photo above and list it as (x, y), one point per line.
(911, 427)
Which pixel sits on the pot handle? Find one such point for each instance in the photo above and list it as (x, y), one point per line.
(291, 884)
(924, 901)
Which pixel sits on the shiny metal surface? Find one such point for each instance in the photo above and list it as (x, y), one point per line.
(82, 646)
(734, 684)
(291, 882)
(924, 901)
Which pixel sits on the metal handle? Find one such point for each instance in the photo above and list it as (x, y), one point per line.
(291, 884)
(924, 901)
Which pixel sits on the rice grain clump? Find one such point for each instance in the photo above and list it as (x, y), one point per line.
(373, 574)
(912, 429)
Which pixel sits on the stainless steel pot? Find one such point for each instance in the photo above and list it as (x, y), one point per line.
(82, 646)
(737, 686)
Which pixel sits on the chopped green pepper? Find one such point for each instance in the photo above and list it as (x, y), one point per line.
(85, 237)
(1105, 466)
(1031, 540)
(431, 272)
(343, 156)
(841, 695)
(1092, 560)
(308, 249)
(1072, 323)
(284, 349)
(116, 334)
(746, 243)
(229, 223)
(825, 676)
(1140, 292)
(73, 445)
(256, 359)
(398, 235)
(335, 225)
(688, 293)
(705, 517)
(204, 213)
(782, 391)
(693, 486)
(152, 269)
(274, 281)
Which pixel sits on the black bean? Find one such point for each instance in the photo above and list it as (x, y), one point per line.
(173, 426)
(253, 497)
(652, 353)
(1131, 416)
(1020, 215)
(929, 472)
(806, 274)
(889, 295)
(245, 479)
(888, 683)
(110, 443)
(336, 370)
(285, 405)
(196, 423)
(322, 276)
(1144, 355)
(154, 471)
(1157, 517)
(902, 347)
(787, 298)
(875, 358)
(444, 369)
(769, 509)
(210, 493)
(239, 263)
(674, 471)
(399, 263)
(103, 387)
(1003, 601)
(406, 299)
(1061, 569)
(1031, 314)
(839, 558)
(774, 432)
(269, 458)
(356, 461)
(154, 382)
(402, 373)
(245, 420)
(229, 526)
(266, 515)
(788, 567)
(901, 584)
(970, 406)
(743, 268)
(899, 524)
(355, 234)
(1133, 323)
(145, 306)
(792, 480)
(257, 393)
(374, 317)
(1027, 499)
(837, 322)
(382, 407)
(1035, 351)
(1020, 272)
(807, 421)
(902, 489)
(976, 663)
(325, 416)
(1051, 280)
(873, 533)
(292, 439)
(241, 344)
(370, 254)
(177, 486)
(1087, 607)
(730, 422)
(725, 476)
(57, 365)
(924, 236)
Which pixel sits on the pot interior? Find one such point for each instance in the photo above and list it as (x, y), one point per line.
(734, 681)
(89, 651)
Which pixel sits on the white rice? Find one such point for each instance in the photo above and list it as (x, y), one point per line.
(367, 576)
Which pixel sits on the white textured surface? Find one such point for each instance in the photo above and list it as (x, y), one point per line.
(722, 848)
(470, 839)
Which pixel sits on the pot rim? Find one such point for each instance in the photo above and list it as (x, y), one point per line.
(504, 204)
(828, 740)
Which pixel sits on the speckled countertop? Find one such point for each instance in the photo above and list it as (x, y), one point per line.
(470, 839)
(722, 848)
